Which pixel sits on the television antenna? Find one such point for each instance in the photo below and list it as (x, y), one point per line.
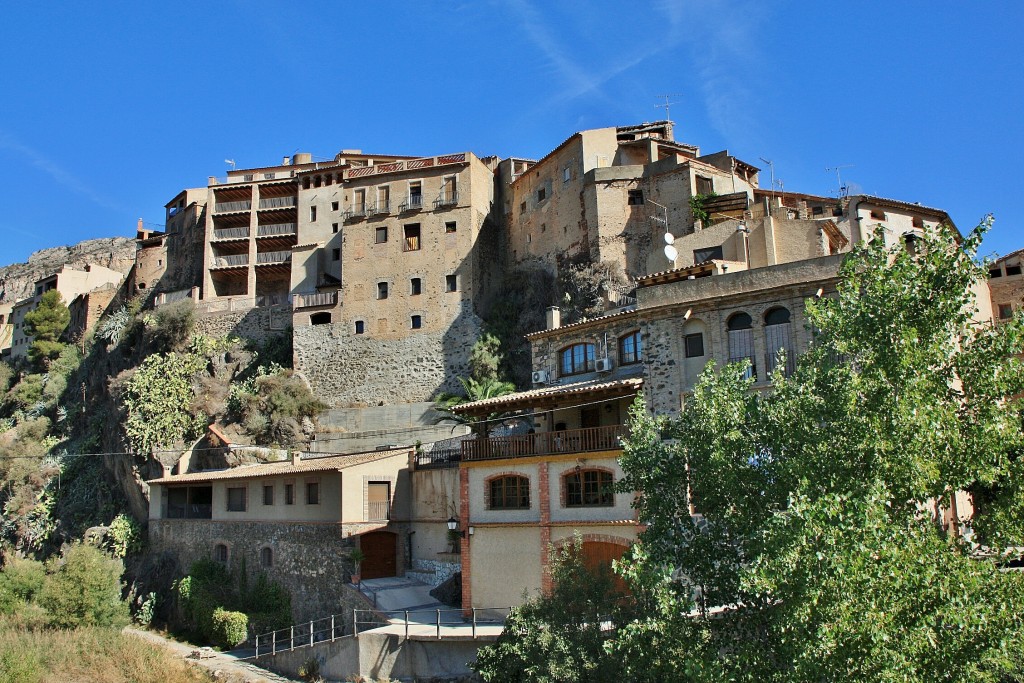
(667, 104)
(771, 165)
(843, 189)
(230, 161)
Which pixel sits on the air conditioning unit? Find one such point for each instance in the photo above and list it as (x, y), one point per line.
(604, 365)
(540, 376)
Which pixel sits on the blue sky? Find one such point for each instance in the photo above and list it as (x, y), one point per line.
(109, 109)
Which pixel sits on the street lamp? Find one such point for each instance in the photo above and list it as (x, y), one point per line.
(453, 524)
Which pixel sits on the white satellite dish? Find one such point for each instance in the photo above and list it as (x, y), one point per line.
(671, 253)
(669, 238)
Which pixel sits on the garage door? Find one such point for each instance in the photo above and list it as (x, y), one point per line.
(599, 554)
(380, 551)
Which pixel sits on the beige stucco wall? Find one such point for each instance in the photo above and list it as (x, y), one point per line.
(506, 565)
(393, 470)
(435, 498)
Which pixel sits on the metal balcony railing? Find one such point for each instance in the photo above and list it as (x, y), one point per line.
(230, 233)
(270, 257)
(413, 203)
(446, 199)
(277, 202)
(357, 211)
(377, 512)
(231, 261)
(228, 207)
(273, 229)
(585, 440)
(379, 208)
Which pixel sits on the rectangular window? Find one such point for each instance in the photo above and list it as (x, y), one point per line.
(268, 495)
(1005, 311)
(702, 255)
(878, 214)
(378, 499)
(449, 227)
(995, 272)
(312, 214)
(542, 194)
(334, 206)
(360, 327)
(1012, 270)
(268, 176)
(631, 348)
(312, 493)
(415, 286)
(289, 494)
(566, 174)
(335, 254)
(705, 186)
(384, 199)
(818, 211)
(334, 227)
(380, 235)
(522, 208)
(416, 322)
(694, 344)
(635, 197)
(359, 202)
(451, 283)
(382, 290)
(412, 237)
(236, 499)
(247, 177)
(415, 194)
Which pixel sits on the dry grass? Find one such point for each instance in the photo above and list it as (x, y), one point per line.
(87, 655)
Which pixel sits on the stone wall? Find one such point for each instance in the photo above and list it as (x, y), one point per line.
(309, 559)
(346, 369)
(253, 323)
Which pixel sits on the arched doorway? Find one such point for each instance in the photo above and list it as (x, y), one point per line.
(380, 551)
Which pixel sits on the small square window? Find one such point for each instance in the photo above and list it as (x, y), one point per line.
(268, 495)
(522, 208)
(289, 494)
(334, 227)
(335, 254)
(694, 345)
(360, 327)
(312, 214)
(416, 322)
(449, 227)
(917, 222)
(995, 272)
(878, 214)
(1005, 311)
(334, 206)
(415, 286)
(312, 493)
(451, 283)
(382, 290)
(542, 194)
(248, 177)
(566, 174)
(635, 197)
(818, 211)
(268, 176)
(380, 235)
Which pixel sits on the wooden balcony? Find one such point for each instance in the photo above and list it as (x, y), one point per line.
(586, 440)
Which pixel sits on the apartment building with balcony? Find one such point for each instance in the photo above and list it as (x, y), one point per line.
(393, 269)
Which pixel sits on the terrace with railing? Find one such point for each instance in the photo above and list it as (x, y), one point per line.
(446, 199)
(586, 440)
(265, 258)
(407, 165)
(413, 203)
(230, 233)
(273, 229)
(231, 261)
(314, 299)
(286, 202)
(231, 207)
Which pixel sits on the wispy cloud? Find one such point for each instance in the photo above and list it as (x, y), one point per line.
(59, 175)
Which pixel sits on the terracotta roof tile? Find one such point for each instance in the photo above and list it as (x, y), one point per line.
(633, 383)
(330, 463)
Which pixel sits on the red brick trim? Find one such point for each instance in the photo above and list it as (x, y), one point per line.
(543, 483)
(594, 538)
(487, 488)
(467, 560)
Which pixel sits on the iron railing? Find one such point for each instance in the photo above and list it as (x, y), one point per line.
(380, 208)
(413, 203)
(586, 440)
(446, 199)
(438, 458)
(357, 211)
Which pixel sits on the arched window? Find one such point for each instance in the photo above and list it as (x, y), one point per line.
(321, 318)
(778, 337)
(577, 359)
(220, 553)
(631, 348)
(266, 557)
(509, 492)
(588, 488)
(741, 341)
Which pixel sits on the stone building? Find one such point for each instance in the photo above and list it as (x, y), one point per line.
(1007, 285)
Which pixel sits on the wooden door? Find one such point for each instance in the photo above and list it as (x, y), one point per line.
(590, 417)
(380, 550)
(598, 554)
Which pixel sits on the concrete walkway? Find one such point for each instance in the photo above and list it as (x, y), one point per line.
(399, 594)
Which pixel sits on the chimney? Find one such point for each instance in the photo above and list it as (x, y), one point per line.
(296, 457)
(554, 318)
(287, 161)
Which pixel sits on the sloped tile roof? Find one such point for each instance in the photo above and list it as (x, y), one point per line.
(332, 463)
(626, 386)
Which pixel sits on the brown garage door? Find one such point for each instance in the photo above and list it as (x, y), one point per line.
(380, 549)
(599, 554)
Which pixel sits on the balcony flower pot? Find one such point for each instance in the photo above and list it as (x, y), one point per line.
(357, 558)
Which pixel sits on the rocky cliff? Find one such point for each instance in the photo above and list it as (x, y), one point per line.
(16, 280)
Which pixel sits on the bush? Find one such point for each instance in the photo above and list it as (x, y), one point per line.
(173, 325)
(125, 536)
(229, 629)
(20, 582)
(85, 590)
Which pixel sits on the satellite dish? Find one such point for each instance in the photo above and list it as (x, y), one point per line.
(669, 238)
(671, 253)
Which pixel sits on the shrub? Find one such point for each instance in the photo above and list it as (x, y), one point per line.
(157, 398)
(173, 324)
(20, 582)
(125, 536)
(85, 590)
(6, 375)
(26, 393)
(46, 323)
(229, 629)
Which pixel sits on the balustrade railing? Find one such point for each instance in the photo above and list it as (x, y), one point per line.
(585, 440)
(230, 233)
(227, 207)
(277, 202)
(314, 299)
(269, 257)
(272, 229)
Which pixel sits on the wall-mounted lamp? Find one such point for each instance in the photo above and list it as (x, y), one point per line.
(817, 295)
(453, 525)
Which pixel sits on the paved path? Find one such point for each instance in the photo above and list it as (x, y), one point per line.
(395, 596)
(228, 663)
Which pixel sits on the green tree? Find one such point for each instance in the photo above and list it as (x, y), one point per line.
(157, 400)
(816, 556)
(485, 358)
(84, 589)
(559, 638)
(45, 324)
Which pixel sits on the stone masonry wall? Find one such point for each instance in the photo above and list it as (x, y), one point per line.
(347, 369)
(310, 560)
(251, 323)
